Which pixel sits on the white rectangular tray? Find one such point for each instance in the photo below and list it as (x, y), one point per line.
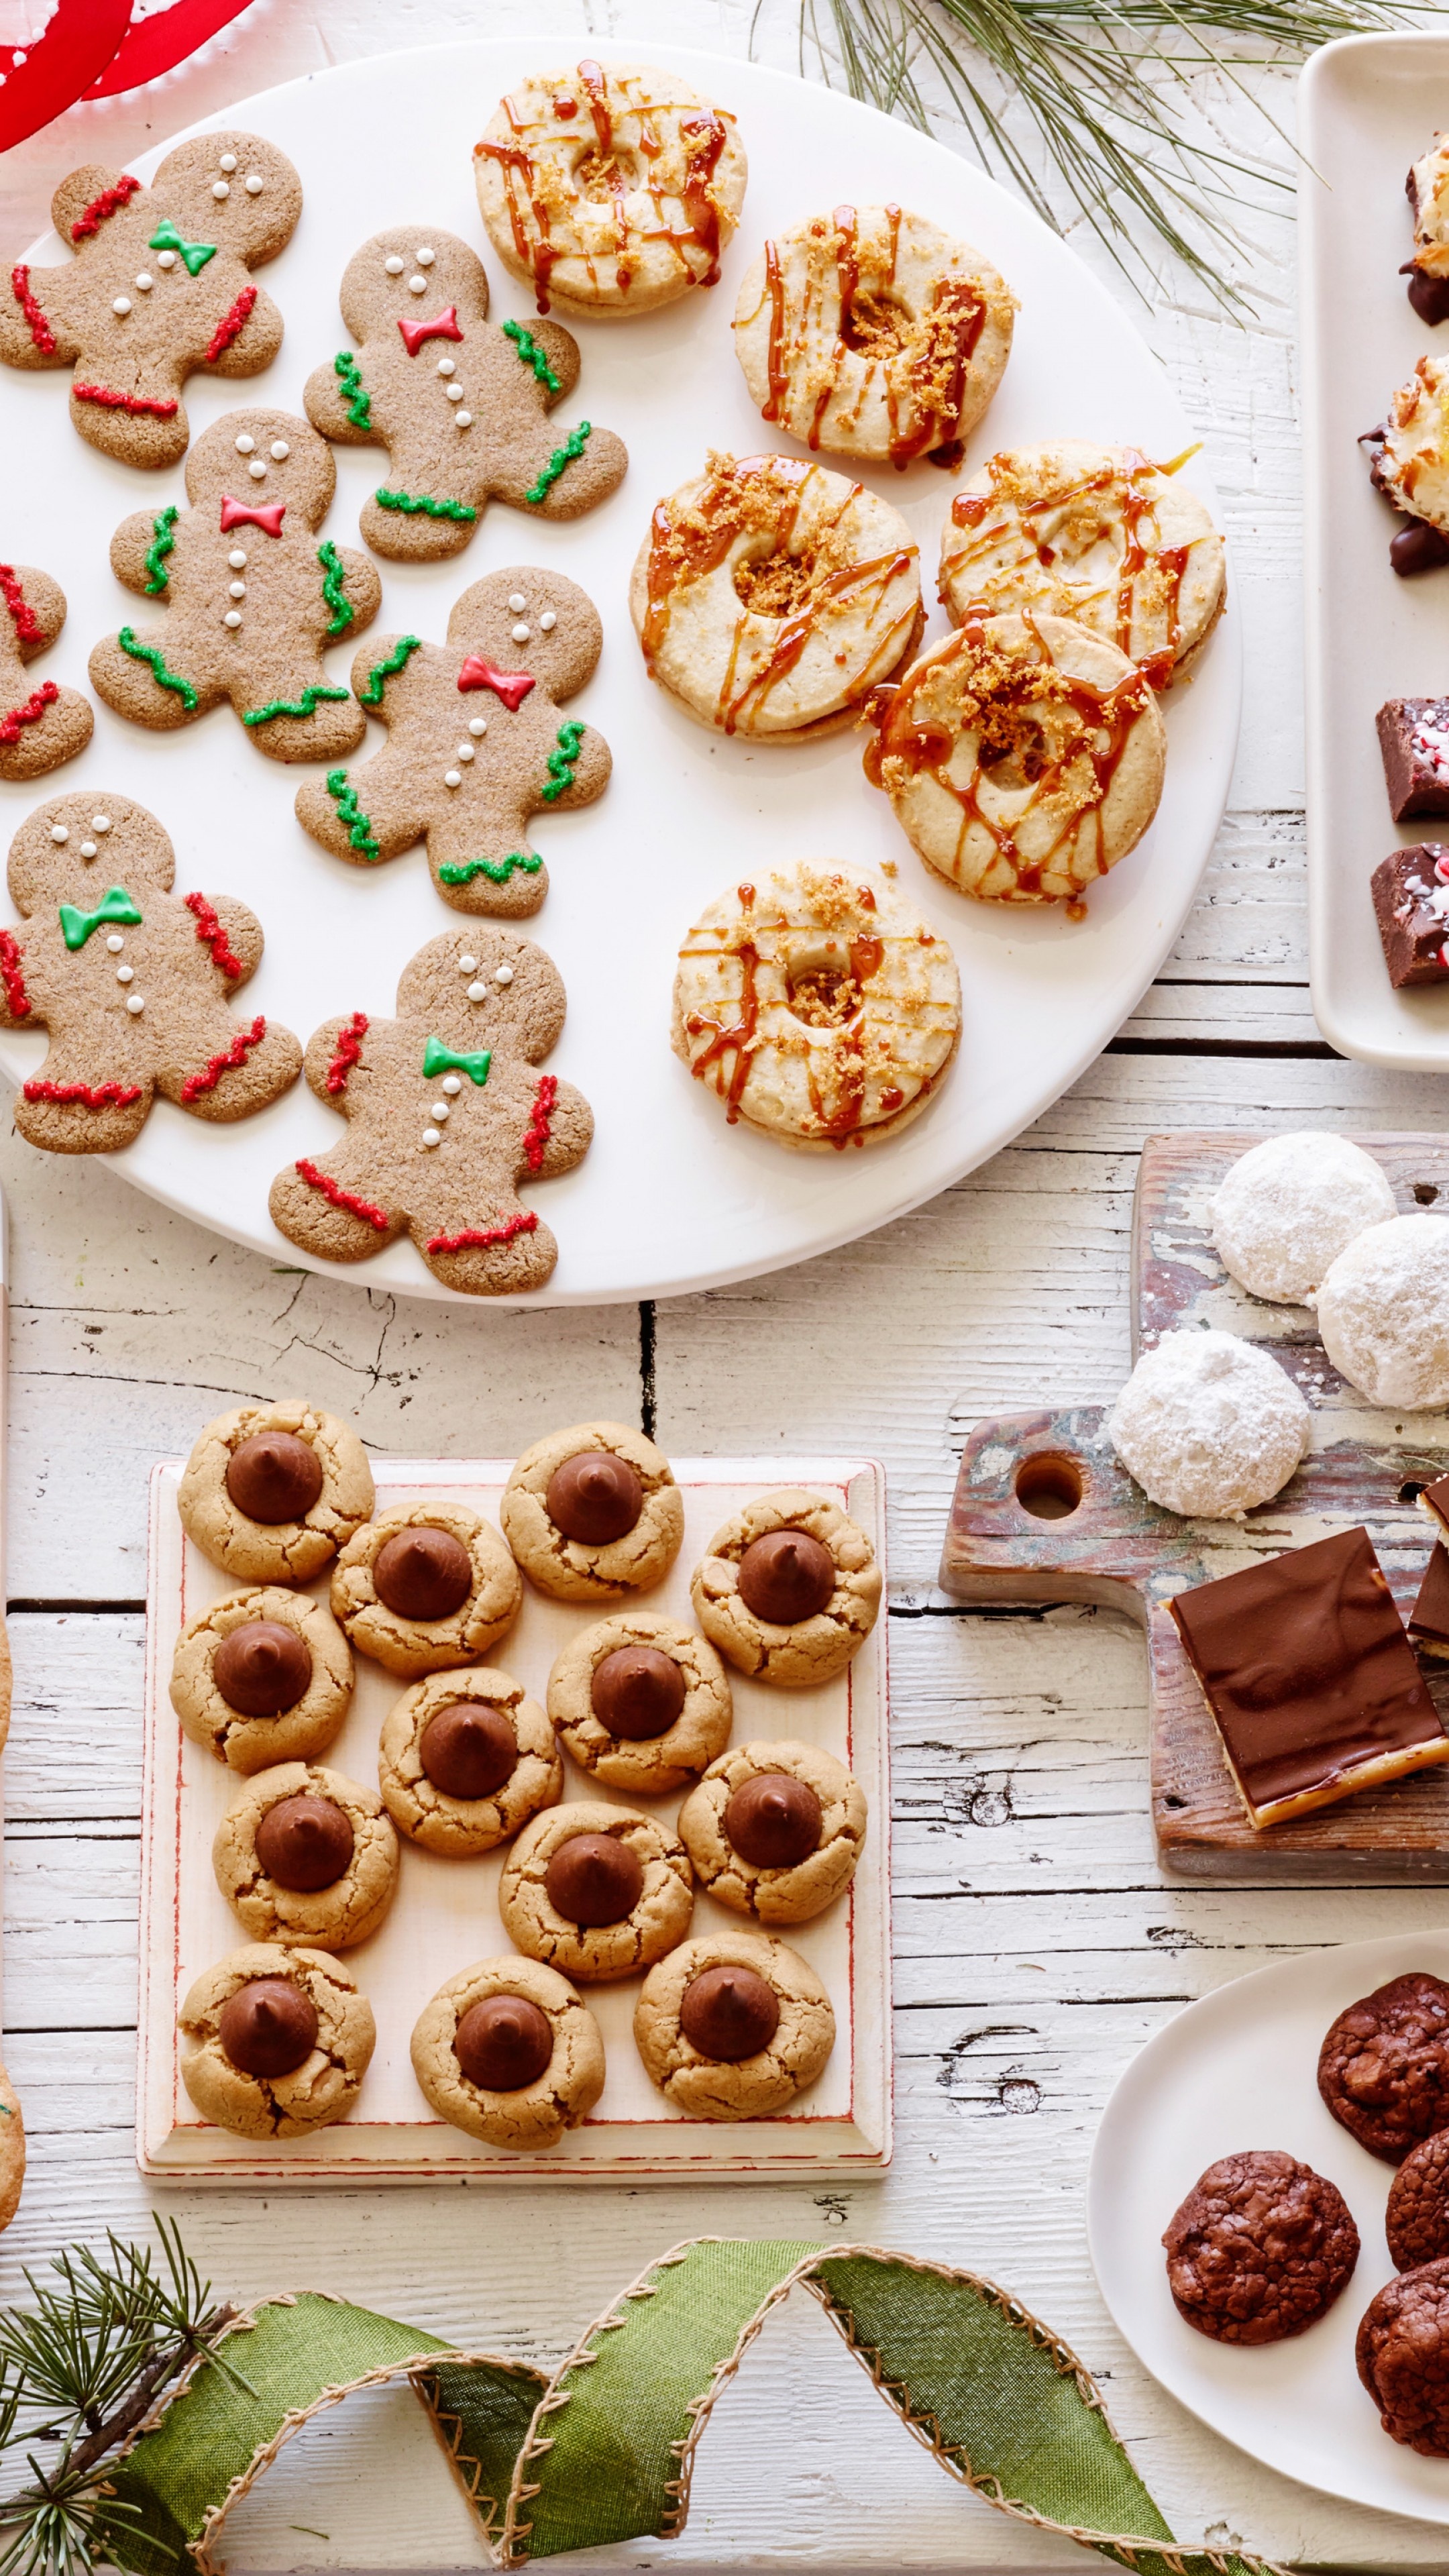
(1368, 106)
(446, 1912)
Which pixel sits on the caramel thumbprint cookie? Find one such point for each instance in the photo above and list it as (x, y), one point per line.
(870, 332)
(278, 2041)
(597, 1892)
(509, 2052)
(1403, 2358)
(1023, 757)
(734, 2027)
(304, 1855)
(1259, 2250)
(1097, 534)
(819, 1007)
(465, 1759)
(1383, 2069)
(771, 596)
(593, 1510)
(775, 1830)
(641, 1702)
(789, 1590)
(261, 1677)
(272, 1491)
(425, 1587)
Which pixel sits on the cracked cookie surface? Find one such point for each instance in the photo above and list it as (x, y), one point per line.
(322, 2089)
(413, 1647)
(459, 1826)
(334, 1917)
(295, 1734)
(810, 1650)
(569, 1569)
(775, 1895)
(659, 1918)
(533, 2116)
(749, 2088)
(283, 1551)
(648, 1766)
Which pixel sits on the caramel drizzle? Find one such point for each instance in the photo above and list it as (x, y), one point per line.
(934, 428)
(969, 509)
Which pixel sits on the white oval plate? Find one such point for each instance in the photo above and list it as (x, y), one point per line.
(669, 1198)
(1238, 2070)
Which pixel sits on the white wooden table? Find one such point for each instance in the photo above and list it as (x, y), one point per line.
(1036, 1943)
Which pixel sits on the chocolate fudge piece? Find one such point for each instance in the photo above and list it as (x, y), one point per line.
(1304, 1663)
(1429, 1618)
(1414, 741)
(1411, 906)
(1433, 1502)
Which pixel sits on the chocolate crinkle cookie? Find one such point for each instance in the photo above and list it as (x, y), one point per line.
(1416, 2220)
(1260, 2249)
(1383, 2070)
(1403, 2358)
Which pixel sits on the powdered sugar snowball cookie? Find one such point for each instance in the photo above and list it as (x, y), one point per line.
(771, 596)
(871, 332)
(789, 1589)
(1099, 534)
(609, 188)
(1209, 1425)
(700, 2009)
(820, 1007)
(519, 2078)
(1023, 757)
(262, 1676)
(1289, 1206)
(425, 1588)
(272, 1491)
(593, 1511)
(1383, 1312)
(277, 2039)
(465, 1759)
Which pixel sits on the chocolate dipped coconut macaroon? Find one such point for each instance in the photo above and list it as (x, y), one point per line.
(508, 2051)
(425, 1587)
(641, 1702)
(303, 1854)
(789, 1590)
(774, 1831)
(466, 1758)
(597, 1892)
(264, 1676)
(734, 2027)
(593, 1510)
(272, 1491)
(279, 2041)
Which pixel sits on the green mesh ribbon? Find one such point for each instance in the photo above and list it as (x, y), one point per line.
(604, 2451)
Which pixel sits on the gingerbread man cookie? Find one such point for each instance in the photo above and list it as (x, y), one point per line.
(460, 404)
(131, 980)
(476, 743)
(143, 304)
(253, 597)
(448, 1115)
(39, 728)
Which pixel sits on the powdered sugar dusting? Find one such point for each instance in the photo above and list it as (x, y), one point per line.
(1383, 1311)
(1290, 1206)
(1209, 1426)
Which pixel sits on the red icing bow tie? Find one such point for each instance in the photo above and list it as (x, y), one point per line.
(511, 686)
(445, 327)
(237, 514)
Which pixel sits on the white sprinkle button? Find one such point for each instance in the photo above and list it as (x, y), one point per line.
(254, 183)
(232, 617)
(447, 366)
(166, 259)
(237, 589)
(548, 621)
(237, 558)
(467, 965)
(440, 1110)
(115, 943)
(452, 778)
(452, 1084)
(465, 751)
(477, 726)
(125, 974)
(227, 163)
(477, 992)
(88, 849)
(394, 265)
(221, 188)
(280, 449)
(503, 975)
(424, 256)
(100, 822)
(453, 392)
(257, 468)
(245, 443)
(145, 281)
(517, 603)
(59, 832)
(431, 1136)
(519, 633)
(417, 286)
(462, 420)
(122, 304)
(134, 1002)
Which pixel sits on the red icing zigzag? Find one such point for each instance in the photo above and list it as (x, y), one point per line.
(106, 1095)
(31, 713)
(40, 330)
(349, 1052)
(23, 617)
(12, 976)
(109, 202)
(233, 1056)
(337, 1197)
(537, 1133)
(135, 403)
(229, 325)
(209, 929)
(478, 1237)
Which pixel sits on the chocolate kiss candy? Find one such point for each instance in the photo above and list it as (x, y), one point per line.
(729, 2013)
(262, 1668)
(773, 1820)
(786, 1576)
(274, 1477)
(503, 2043)
(423, 1573)
(594, 1879)
(268, 2027)
(1418, 548)
(594, 1497)
(304, 1843)
(637, 1692)
(468, 1750)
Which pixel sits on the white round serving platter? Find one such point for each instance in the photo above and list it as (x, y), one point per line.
(669, 1198)
(1238, 2070)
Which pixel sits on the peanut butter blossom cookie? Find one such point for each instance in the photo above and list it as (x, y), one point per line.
(734, 2027)
(870, 332)
(264, 1676)
(278, 2039)
(1259, 2250)
(771, 596)
(272, 1491)
(593, 1510)
(508, 2051)
(641, 1702)
(303, 1854)
(775, 1830)
(424, 1588)
(42, 726)
(609, 189)
(598, 1892)
(465, 1759)
(789, 1590)
(818, 1006)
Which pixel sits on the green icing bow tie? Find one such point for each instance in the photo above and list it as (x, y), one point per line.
(440, 1059)
(195, 254)
(115, 905)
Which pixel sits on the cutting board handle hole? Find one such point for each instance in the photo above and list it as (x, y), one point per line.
(1410, 1492)
(1050, 1486)
(1425, 1192)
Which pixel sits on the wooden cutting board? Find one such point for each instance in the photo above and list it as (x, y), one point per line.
(1044, 1512)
